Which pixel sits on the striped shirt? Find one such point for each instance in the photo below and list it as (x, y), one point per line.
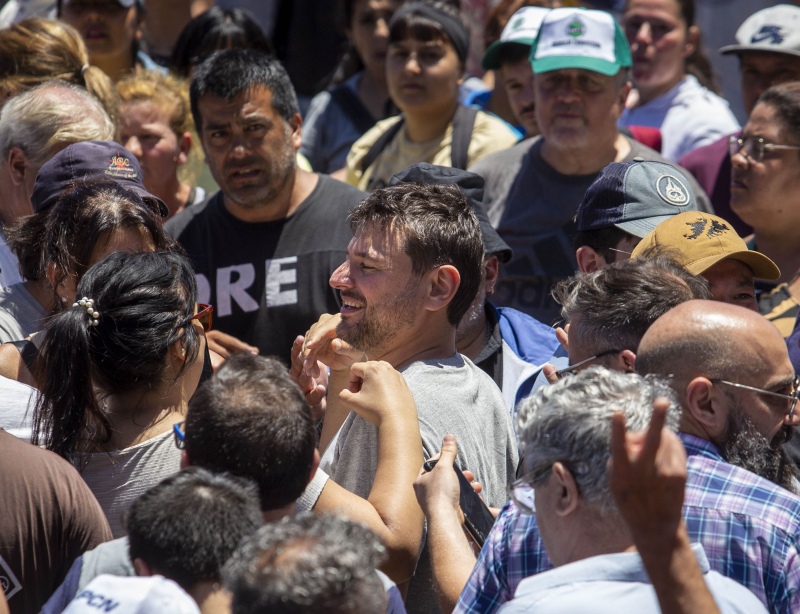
(748, 526)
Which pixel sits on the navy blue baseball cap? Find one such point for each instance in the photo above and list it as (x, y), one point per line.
(91, 161)
(635, 197)
(472, 187)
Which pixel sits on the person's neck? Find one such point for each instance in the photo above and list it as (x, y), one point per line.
(589, 160)
(595, 535)
(279, 513)
(295, 190)
(421, 128)
(138, 416)
(42, 291)
(470, 342)
(115, 66)
(424, 343)
(211, 597)
(175, 195)
(374, 94)
(781, 248)
(648, 94)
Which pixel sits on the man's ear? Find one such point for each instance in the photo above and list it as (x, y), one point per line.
(185, 460)
(567, 490)
(706, 407)
(18, 165)
(491, 271)
(184, 147)
(627, 361)
(443, 284)
(314, 465)
(142, 568)
(692, 40)
(589, 260)
(296, 124)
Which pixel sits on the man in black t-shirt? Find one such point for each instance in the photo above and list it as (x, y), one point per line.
(265, 245)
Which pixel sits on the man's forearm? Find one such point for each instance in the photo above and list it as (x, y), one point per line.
(335, 411)
(452, 559)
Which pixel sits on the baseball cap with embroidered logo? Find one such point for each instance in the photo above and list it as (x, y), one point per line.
(91, 161)
(521, 29)
(775, 29)
(580, 38)
(635, 197)
(700, 240)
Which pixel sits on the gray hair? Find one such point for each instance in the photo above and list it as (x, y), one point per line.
(49, 117)
(308, 563)
(570, 422)
(614, 306)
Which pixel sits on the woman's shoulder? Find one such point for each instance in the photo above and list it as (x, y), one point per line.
(490, 134)
(360, 148)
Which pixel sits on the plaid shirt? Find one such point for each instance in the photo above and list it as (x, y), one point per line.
(749, 528)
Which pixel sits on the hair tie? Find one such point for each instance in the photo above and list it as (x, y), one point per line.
(84, 68)
(88, 304)
(455, 30)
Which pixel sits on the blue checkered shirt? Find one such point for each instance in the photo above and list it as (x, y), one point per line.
(749, 528)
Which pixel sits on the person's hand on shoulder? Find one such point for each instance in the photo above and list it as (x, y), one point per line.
(377, 392)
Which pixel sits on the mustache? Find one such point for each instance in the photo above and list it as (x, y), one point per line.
(527, 109)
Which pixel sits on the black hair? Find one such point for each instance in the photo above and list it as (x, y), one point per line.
(601, 240)
(511, 53)
(251, 420)
(784, 99)
(188, 526)
(213, 30)
(145, 302)
(420, 27)
(437, 226)
(226, 74)
(308, 563)
(67, 234)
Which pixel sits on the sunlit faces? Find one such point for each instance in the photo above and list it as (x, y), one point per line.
(381, 295)
(107, 27)
(249, 147)
(660, 43)
(766, 194)
(760, 70)
(145, 131)
(731, 281)
(369, 34)
(575, 107)
(517, 78)
(423, 76)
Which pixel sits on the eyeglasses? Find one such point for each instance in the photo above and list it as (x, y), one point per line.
(521, 489)
(180, 435)
(754, 148)
(792, 398)
(573, 369)
(203, 316)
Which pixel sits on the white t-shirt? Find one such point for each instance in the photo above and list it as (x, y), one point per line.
(16, 408)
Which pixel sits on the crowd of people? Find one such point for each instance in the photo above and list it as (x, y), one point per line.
(314, 307)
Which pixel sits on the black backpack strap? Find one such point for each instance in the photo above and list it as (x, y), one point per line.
(28, 351)
(463, 124)
(351, 104)
(379, 145)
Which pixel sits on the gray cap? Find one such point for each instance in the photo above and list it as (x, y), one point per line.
(775, 29)
(635, 197)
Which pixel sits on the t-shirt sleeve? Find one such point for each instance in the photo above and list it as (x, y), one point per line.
(308, 499)
(88, 524)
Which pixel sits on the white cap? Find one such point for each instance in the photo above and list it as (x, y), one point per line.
(775, 29)
(521, 29)
(132, 595)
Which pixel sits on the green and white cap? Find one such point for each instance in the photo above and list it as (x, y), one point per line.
(580, 38)
(521, 29)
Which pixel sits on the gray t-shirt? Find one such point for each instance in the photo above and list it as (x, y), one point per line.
(533, 206)
(452, 396)
(20, 313)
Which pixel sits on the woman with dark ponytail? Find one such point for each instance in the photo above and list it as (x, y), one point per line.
(119, 367)
(673, 78)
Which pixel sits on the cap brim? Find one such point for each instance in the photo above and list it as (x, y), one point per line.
(158, 206)
(643, 227)
(729, 49)
(561, 62)
(491, 59)
(762, 267)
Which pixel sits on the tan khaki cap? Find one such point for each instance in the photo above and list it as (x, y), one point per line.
(701, 240)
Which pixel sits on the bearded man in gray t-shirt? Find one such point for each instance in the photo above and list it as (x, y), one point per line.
(412, 269)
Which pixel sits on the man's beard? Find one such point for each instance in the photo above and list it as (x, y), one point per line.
(377, 329)
(745, 447)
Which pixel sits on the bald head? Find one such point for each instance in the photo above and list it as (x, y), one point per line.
(711, 339)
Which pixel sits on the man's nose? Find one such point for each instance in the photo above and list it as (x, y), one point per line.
(340, 278)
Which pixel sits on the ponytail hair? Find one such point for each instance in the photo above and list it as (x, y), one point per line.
(145, 303)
